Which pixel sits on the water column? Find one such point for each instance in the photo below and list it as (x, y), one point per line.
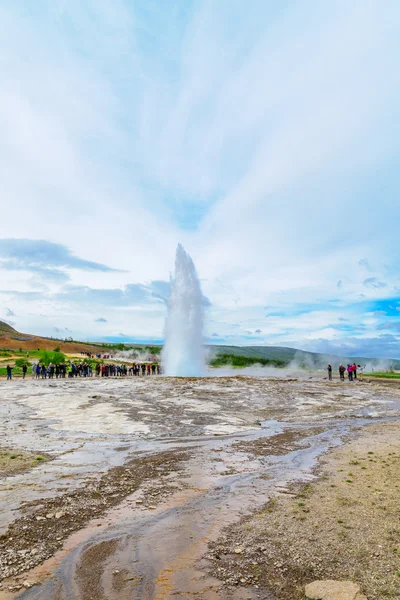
(183, 353)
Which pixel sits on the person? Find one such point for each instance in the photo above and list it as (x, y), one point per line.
(350, 372)
(341, 372)
(143, 369)
(37, 371)
(9, 372)
(330, 372)
(33, 370)
(24, 370)
(355, 371)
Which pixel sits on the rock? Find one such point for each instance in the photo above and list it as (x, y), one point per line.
(29, 584)
(333, 590)
(238, 550)
(59, 514)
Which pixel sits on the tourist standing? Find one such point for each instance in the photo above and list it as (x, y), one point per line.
(350, 372)
(9, 372)
(341, 372)
(24, 370)
(355, 371)
(330, 372)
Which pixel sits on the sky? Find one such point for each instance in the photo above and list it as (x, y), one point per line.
(263, 136)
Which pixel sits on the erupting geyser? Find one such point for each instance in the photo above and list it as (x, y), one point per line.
(183, 353)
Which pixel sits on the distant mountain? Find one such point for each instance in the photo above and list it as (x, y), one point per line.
(300, 357)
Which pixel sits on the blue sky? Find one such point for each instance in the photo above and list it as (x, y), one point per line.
(264, 137)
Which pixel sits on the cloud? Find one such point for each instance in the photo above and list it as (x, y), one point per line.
(374, 283)
(233, 134)
(40, 256)
(10, 313)
(101, 320)
(365, 264)
(384, 346)
(132, 294)
(258, 331)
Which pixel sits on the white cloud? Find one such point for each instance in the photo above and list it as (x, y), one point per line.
(263, 138)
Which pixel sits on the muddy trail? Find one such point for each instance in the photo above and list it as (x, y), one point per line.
(144, 474)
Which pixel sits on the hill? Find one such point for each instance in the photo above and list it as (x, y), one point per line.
(300, 357)
(11, 339)
(7, 330)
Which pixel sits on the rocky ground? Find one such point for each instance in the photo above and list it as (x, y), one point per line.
(345, 526)
(46, 523)
(151, 471)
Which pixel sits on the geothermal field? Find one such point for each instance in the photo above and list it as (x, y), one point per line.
(150, 488)
(194, 485)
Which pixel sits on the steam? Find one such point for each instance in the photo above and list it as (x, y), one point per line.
(183, 353)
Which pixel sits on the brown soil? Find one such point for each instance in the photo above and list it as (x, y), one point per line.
(40, 532)
(344, 526)
(31, 342)
(277, 445)
(14, 460)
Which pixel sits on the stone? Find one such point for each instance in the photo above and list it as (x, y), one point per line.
(238, 550)
(333, 590)
(29, 584)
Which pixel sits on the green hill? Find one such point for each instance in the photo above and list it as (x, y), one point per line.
(299, 357)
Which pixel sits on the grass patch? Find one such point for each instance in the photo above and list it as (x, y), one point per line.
(385, 374)
(237, 361)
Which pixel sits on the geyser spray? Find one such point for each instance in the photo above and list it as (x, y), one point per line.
(183, 353)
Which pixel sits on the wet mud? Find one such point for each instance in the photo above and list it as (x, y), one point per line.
(146, 473)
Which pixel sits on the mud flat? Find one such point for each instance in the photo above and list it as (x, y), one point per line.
(146, 475)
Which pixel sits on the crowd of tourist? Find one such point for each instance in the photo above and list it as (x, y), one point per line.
(350, 369)
(85, 369)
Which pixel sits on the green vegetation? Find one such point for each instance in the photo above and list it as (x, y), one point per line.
(20, 362)
(15, 372)
(238, 361)
(384, 374)
(52, 357)
(153, 349)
